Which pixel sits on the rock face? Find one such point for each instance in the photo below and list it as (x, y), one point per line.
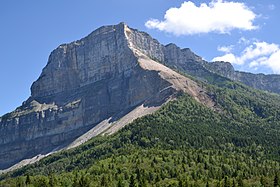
(188, 62)
(115, 71)
(269, 83)
(102, 76)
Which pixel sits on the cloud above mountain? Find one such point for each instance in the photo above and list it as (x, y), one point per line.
(218, 16)
(255, 55)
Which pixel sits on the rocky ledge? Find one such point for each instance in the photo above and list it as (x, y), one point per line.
(103, 76)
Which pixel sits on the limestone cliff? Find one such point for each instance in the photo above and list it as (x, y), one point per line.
(102, 82)
(188, 62)
(103, 76)
(269, 83)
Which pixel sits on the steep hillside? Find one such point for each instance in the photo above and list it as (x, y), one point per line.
(101, 83)
(188, 62)
(269, 83)
(88, 85)
(184, 143)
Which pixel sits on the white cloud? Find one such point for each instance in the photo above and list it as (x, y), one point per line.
(258, 49)
(274, 62)
(226, 58)
(254, 64)
(218, 16)
(257, 62)
(225, 49)
(255, 55)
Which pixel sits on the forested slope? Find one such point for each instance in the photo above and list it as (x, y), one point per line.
(183, 144)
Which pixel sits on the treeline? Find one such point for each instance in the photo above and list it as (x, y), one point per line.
(154, 167)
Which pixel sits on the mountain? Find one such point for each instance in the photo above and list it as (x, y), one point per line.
(192, 123)
(101, 83)
(269, 83)
(186, 61)
(91, 83)
(184, 143)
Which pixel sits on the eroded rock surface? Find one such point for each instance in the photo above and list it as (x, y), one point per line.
(102, 76)
(260, 81)
(106, 80)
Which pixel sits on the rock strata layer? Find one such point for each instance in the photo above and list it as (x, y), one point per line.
(102, 76)
(260, 81)
(116, 72)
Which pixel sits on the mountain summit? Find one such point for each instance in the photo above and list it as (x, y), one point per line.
(101, 83)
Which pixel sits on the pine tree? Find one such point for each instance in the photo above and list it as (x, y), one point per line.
(52, 180)
(132, 182)
(76, 180)
(120, 183)
(20, 182)
(181, 184)
(138, 174)
(262, 181)
(233, 182)
(104, 181)
(28, 180)
(227, 182)
(84, 181)
(276, 181)
(240, 182)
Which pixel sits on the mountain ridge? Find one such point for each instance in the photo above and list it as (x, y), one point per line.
(107, 74)
(85, 82)
(188, 62)
(183, 142)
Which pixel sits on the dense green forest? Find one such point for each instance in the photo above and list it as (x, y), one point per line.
(183, 144)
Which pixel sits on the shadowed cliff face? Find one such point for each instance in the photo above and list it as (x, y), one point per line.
(269, 83)
(106, 75)
(85, 82)
(101, 55)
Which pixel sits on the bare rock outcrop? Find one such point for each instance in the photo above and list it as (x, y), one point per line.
(101, 83)
(106, 75)
(260, 81)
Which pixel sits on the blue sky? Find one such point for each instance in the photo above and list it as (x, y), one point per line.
(247, 35)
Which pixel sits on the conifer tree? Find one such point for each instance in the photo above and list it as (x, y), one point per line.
(132, 182)
(276, 181)
(28, 180)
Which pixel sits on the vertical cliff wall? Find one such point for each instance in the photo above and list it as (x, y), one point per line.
(83, 83)
(102, 76)
(106, 75)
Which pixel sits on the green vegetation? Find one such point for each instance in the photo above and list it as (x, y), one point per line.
(183, 144)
